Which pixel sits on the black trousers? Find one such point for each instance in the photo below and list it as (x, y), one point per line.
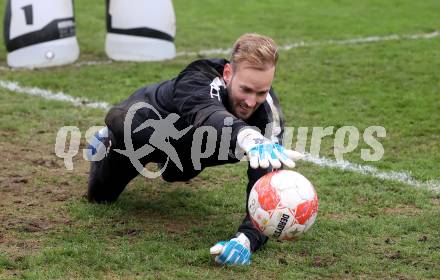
(109, 177)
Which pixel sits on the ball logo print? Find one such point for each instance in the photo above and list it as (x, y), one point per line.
(283, 204)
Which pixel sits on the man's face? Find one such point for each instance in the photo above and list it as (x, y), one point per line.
(247, 88)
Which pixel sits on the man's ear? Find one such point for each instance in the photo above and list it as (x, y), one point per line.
(227, 73)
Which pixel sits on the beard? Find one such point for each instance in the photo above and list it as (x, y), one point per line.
(235, 107)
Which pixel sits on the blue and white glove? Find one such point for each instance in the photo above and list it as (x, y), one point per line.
(262, 152)
(233, 252)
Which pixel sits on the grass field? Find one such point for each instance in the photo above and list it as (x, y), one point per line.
(366, 227)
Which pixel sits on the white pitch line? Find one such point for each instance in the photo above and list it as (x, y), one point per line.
(287, 47)
(401, 177)
(303, 44)
(59, 96)
(77, 64)
(93, 62)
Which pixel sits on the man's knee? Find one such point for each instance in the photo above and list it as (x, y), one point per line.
(93, 197)
(99, 190)
(108, 174)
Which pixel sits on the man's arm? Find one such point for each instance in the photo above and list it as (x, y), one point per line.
(276, 119)
(256, 238)
(249, 239)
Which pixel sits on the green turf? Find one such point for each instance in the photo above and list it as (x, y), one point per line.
(366, 228)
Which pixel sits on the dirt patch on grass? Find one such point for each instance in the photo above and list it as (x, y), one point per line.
(34, 187)
(436, 201)
(36, 191)
(403, 209)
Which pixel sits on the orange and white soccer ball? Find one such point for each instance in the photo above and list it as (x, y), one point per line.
(283, 204)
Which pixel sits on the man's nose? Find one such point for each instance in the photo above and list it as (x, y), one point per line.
(251, 100)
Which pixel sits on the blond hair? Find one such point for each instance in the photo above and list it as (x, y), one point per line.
(259, 51)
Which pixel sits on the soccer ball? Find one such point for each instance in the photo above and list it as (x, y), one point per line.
(283, 204)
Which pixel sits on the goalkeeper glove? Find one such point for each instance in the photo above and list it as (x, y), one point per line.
(233, 252)
(262, 152)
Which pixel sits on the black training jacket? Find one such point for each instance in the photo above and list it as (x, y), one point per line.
(198, 95)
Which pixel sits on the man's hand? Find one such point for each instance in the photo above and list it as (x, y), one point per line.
(233, 252)
(262, 152)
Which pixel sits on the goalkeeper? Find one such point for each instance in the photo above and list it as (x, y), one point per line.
(234, 96)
